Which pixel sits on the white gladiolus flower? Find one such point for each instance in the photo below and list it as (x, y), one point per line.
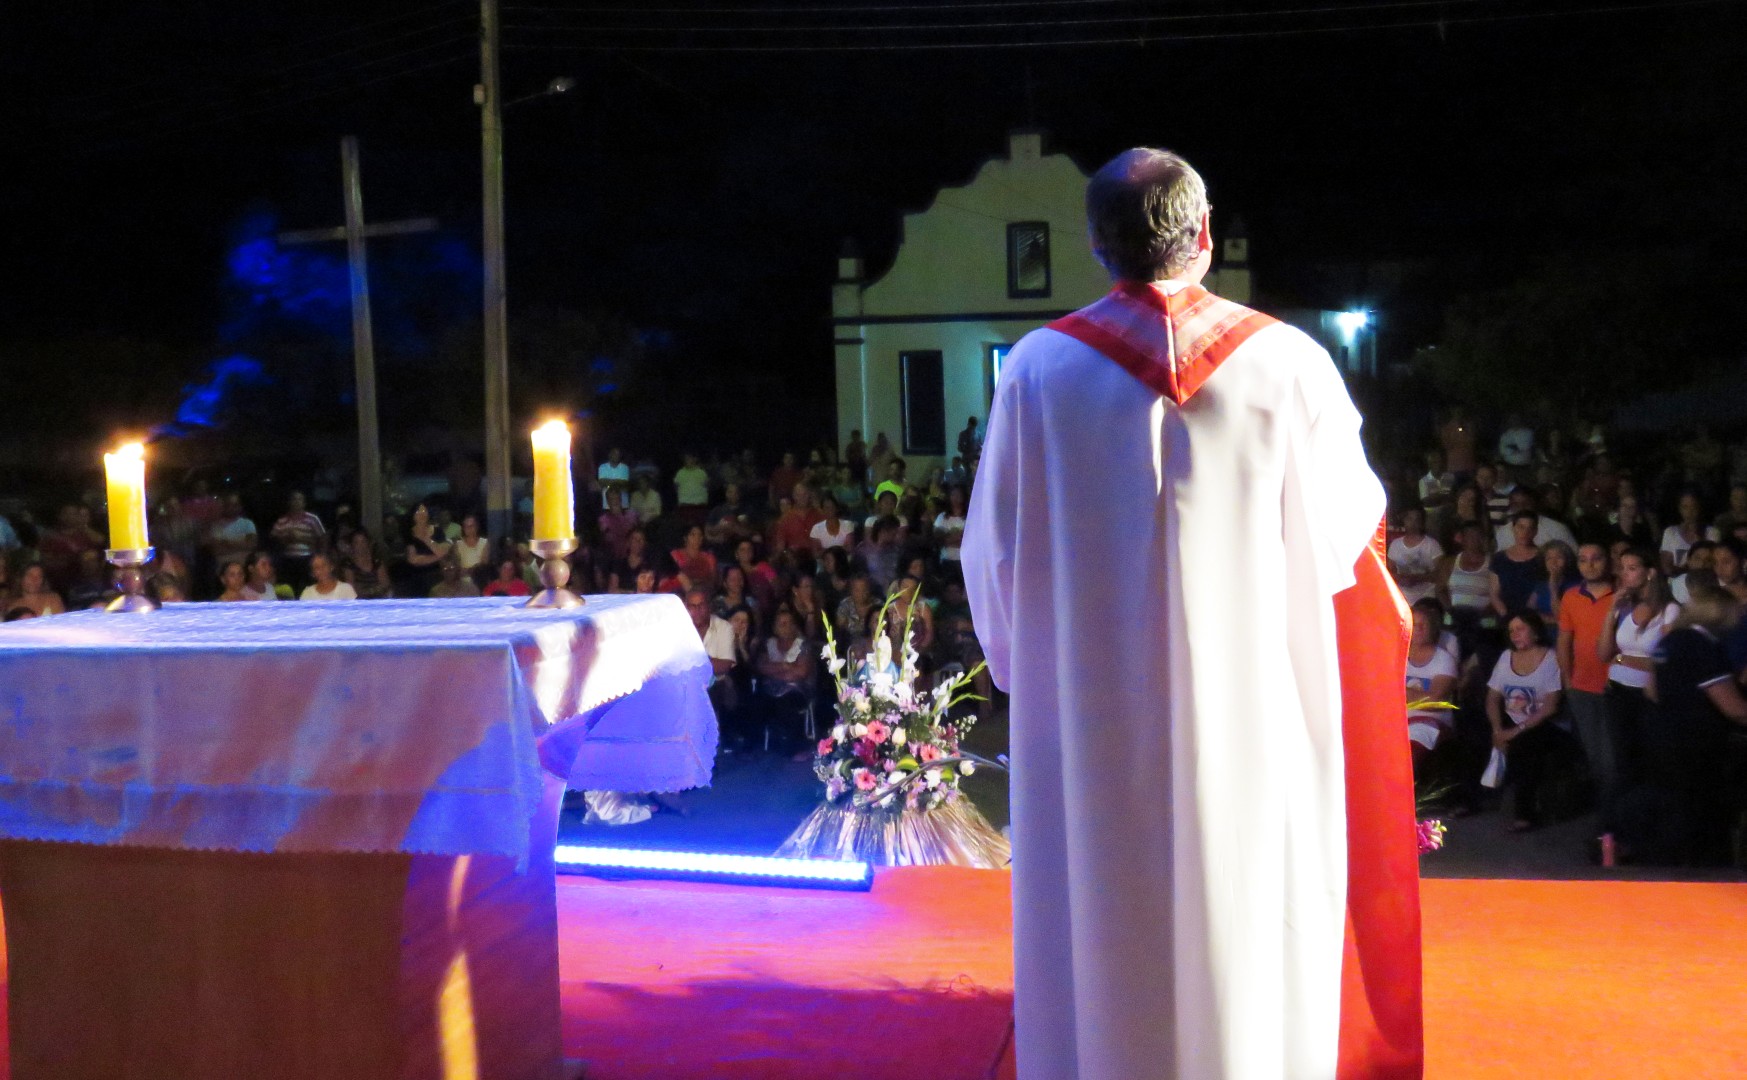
(931, 778)
(883, 653)
(898, 736)
(825, 653)
(965, 768)
(840, 732)
(858, 730)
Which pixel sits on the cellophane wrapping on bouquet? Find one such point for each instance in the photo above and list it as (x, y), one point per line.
(891, 768)
(953, 833)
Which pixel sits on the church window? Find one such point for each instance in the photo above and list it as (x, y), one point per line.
(1028, 259)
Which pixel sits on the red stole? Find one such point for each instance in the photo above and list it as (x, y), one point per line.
(1173, 344)
(1382, 1036)
(1173, 354)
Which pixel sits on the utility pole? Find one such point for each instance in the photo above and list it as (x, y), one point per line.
(489, 97)
(354, 232)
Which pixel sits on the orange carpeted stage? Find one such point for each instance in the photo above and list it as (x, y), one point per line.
(1523, 979)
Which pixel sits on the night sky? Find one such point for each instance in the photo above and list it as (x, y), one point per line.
(697, 184)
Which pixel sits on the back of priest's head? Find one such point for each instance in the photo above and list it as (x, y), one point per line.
(1145, 210)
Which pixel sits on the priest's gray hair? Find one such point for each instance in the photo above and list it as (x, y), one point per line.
(1144, 211)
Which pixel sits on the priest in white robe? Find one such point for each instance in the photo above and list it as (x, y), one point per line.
(1171, 495)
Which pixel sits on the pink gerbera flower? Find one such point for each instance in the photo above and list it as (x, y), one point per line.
(864, 780)
(928, 753)
(826, 746)
(877, 731)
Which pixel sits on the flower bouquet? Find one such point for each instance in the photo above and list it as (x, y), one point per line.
(891, 768)
(1429, 831)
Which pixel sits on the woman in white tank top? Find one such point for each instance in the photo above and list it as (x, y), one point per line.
(1642, 614)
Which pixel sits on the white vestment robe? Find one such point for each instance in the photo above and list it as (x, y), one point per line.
(1152, 584)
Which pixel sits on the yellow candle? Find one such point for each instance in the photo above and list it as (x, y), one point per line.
(126, 469)
(554, 498)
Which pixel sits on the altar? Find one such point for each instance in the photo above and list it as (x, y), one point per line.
(296, 840)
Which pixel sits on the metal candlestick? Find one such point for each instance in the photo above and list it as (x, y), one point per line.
(130, 577)
(554, 575)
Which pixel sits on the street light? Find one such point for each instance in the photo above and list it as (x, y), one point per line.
(563, 84)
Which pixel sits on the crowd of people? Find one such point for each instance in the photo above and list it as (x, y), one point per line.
(1577, 636)
(1576, 614)
(765, 560)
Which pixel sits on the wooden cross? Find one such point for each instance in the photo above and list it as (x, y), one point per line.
(354, 232)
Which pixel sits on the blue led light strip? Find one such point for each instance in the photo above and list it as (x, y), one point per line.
(700, 866)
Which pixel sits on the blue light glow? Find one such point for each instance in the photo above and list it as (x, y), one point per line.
(1351, 322)
(203, 402)
(742, 869)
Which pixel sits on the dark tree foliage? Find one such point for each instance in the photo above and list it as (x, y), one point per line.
(1581, 335)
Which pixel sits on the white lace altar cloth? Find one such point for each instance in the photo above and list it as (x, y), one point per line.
(376, 726)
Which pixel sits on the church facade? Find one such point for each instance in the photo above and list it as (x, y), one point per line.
(918, 349)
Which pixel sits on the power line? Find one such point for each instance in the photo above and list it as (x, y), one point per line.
(202, 94)
(1142, 38)
(832, 8)
(277, 48)
(1105, 20)
(455, 55)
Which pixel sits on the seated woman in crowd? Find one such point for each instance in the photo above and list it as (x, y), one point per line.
(34, 593)
(760, 577)
(622, 578)
(1468, 508)
(1413, 557)
(835, 531)
(324, 583)
(853, 613)
(508, 581)
(1630, 521)
(1558, 572)
(91, 583)
(746, 645)
(849, 494)
(1736, 514)
(1679, 811)
(1431, 677)
(233, 576)
(453, 584)
(908, 606)
(472, 549)
(364, 570)
(733, 594)
(1522, 697)
(647, 582)
(425, 551)
(879, 552)
(1678, 539)
(1699, 560)
(787, 666)
(1518, 566)
(696, 567)
(809, 610)
(949, 523)
(833, 577)
(166, 589)
(1468, 588)
(1729, 562)
(262, 578)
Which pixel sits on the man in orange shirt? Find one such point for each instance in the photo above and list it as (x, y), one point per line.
(795, 528)
(1583, 612)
